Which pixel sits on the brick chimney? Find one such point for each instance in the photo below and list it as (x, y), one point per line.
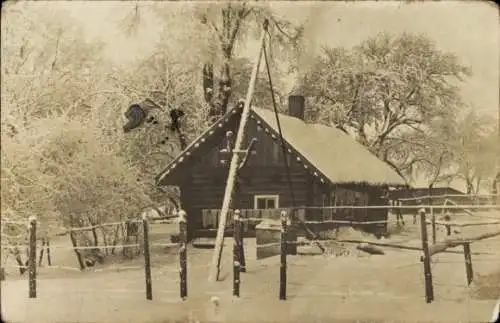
(296, 106)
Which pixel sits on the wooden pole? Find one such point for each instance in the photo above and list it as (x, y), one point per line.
(429, 290)
(49, 260)
(233, 168)
(243, 264)
(468, 263)
(32, 257)
(183, 254)
(40, 258)
(236, 254)
(283, 256)
(147, 258)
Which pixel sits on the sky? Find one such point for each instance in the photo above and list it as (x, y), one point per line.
(470, 29)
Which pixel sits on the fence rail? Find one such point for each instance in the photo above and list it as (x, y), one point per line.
(240, 218)
(31, 264)
(427, 249)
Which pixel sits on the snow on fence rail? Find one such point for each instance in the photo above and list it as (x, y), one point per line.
(465, 196)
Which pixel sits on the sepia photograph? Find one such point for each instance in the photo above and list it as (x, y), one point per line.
(250, 161)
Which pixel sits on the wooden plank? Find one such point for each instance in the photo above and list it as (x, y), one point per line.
(202, 242)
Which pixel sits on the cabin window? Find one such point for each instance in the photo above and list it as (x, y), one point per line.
(262, 202)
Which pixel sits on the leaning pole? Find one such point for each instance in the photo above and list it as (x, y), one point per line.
(233, 168)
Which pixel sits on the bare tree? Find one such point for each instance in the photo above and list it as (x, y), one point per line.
(384, 88)
(62, 156)
(475, 148)
(219, 29)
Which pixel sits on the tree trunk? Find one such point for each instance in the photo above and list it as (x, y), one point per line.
(105, 240)
(208, 82)
(225, 85)
(115, 238)
(96, 239)
(20, 263)
(495, 189)
(470, 186)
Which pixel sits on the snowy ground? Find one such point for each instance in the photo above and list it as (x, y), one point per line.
(320, 288)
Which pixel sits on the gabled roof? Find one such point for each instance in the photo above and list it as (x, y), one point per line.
(327, 152)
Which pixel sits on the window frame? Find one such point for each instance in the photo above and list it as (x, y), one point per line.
(276, 198)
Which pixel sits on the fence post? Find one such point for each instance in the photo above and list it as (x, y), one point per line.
(147, 258)
(283, 255)
(429, 290)
(236, 253)
(468, 263)
(447, 218)
(400, 210)
(40, 259)
(49, 260)
(183, 254)
(243, 263)
(32, 257)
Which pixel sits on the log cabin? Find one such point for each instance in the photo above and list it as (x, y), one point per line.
(326, 167)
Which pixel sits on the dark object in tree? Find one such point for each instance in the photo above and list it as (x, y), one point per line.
(164, 141)
(240, 104)
(136, 116)
(176, 114)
